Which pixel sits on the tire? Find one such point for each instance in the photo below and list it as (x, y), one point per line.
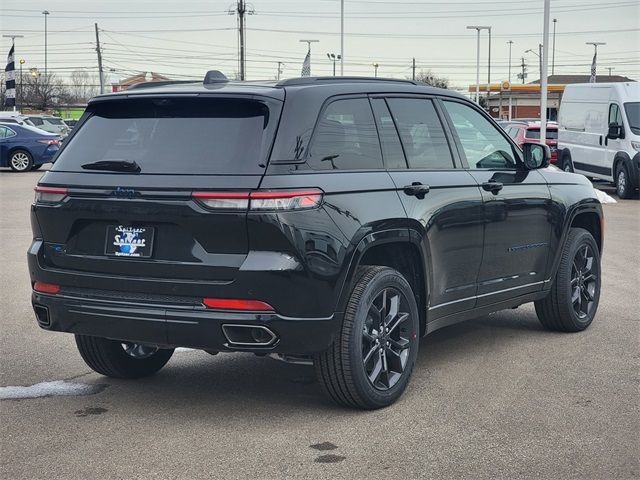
(342, 371)
(624, 188)
(567, 166)
(558, 311)
(20, 161)
(109, 357)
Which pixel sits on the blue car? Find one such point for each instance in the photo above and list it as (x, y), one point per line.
(23, 147)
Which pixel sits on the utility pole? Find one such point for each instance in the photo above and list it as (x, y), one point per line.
(553, 54)
(489, 72)
(510, 42)
(523, 75)
(46, 14)
(279, 69)
(413, 69)
(241, 9)
(610, 68)
(99, 52)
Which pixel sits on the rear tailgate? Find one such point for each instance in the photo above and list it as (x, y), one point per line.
(147, 224)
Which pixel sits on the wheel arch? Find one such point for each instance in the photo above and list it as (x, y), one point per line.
(399, 249)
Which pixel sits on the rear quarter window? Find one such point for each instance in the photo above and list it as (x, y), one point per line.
(177, 135)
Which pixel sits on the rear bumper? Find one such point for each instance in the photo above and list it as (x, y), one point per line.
(177, 325)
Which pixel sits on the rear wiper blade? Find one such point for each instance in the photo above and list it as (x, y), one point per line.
(113, 165)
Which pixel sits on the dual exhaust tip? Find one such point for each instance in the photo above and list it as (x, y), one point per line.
(249, 335)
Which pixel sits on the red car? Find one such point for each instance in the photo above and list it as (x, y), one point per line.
(525, 132)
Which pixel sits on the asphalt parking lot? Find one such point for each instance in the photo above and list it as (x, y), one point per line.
(496, 397)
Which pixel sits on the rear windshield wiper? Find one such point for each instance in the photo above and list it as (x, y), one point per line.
(113, 165)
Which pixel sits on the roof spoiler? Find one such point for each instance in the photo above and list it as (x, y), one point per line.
(214, 76)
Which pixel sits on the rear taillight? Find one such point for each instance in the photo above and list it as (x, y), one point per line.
(49, 142)
(237, 305)
(261, 200)
(49, 288)
(50, 194)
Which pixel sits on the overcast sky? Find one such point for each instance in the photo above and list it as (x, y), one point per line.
(183, 39)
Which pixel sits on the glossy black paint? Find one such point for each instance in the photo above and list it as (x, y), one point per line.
(476, 248)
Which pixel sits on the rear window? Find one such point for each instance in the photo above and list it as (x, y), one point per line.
(535, 134)
(54, 120)
(178, 135)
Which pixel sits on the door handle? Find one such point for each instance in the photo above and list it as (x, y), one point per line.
(493, 187)
(416, 189)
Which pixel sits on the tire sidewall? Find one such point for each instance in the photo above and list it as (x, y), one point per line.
(387, 278)
(566, 162)
(29, 164)
(580, 240)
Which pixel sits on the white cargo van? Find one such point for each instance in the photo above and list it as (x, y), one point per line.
(599, 133)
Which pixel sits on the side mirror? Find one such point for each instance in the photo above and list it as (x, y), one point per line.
(536, 155)
(615, 131)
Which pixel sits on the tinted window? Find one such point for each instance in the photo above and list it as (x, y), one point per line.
(483, 144)
(421, 132)
(177, 136)
(346, 137)
(391, 146)
(36, 121)
(534, 133)
(633, 116)
(54, 120)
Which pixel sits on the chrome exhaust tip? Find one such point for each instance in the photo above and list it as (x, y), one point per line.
(248, 335)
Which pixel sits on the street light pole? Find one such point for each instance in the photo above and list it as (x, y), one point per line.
(510, 42)
(543, 73)
(375, 69)
(489, 71)
(341, 38)
(477, 28)
(553, 54)
(46, 14)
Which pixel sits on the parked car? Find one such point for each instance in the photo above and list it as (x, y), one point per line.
(333, 220)
(15, 118)
(530, 132)
(23, 147)
(70, 122)
(50, 124)
(599, 133)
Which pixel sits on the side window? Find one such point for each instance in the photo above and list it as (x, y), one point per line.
(483, 144)
(615, 115)
(346, 138)
(391, 147)
(36, 121)
(6, 132)
(421, 132)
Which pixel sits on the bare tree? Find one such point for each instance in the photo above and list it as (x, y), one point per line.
(44, 91)
(83, 86)
(430, 78)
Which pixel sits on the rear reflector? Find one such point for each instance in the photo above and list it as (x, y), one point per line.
(261, 199)
(50, 288)
(50, 194)
(233, 304)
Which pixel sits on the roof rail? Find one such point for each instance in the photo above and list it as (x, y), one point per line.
(161, 83)
(310, 80)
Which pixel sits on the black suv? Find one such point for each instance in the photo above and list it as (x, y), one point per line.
(331, 219)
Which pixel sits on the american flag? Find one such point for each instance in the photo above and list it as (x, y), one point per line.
(592, 79)
(10, 75)
(306, 65)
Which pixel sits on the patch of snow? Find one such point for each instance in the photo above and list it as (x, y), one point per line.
(604, 197)
(48, 389)
(183, 349)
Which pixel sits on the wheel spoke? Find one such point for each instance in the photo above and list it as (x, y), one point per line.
(394, 323)
(393, 310)
(576, 295)
(370, 353)
(377, 369)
